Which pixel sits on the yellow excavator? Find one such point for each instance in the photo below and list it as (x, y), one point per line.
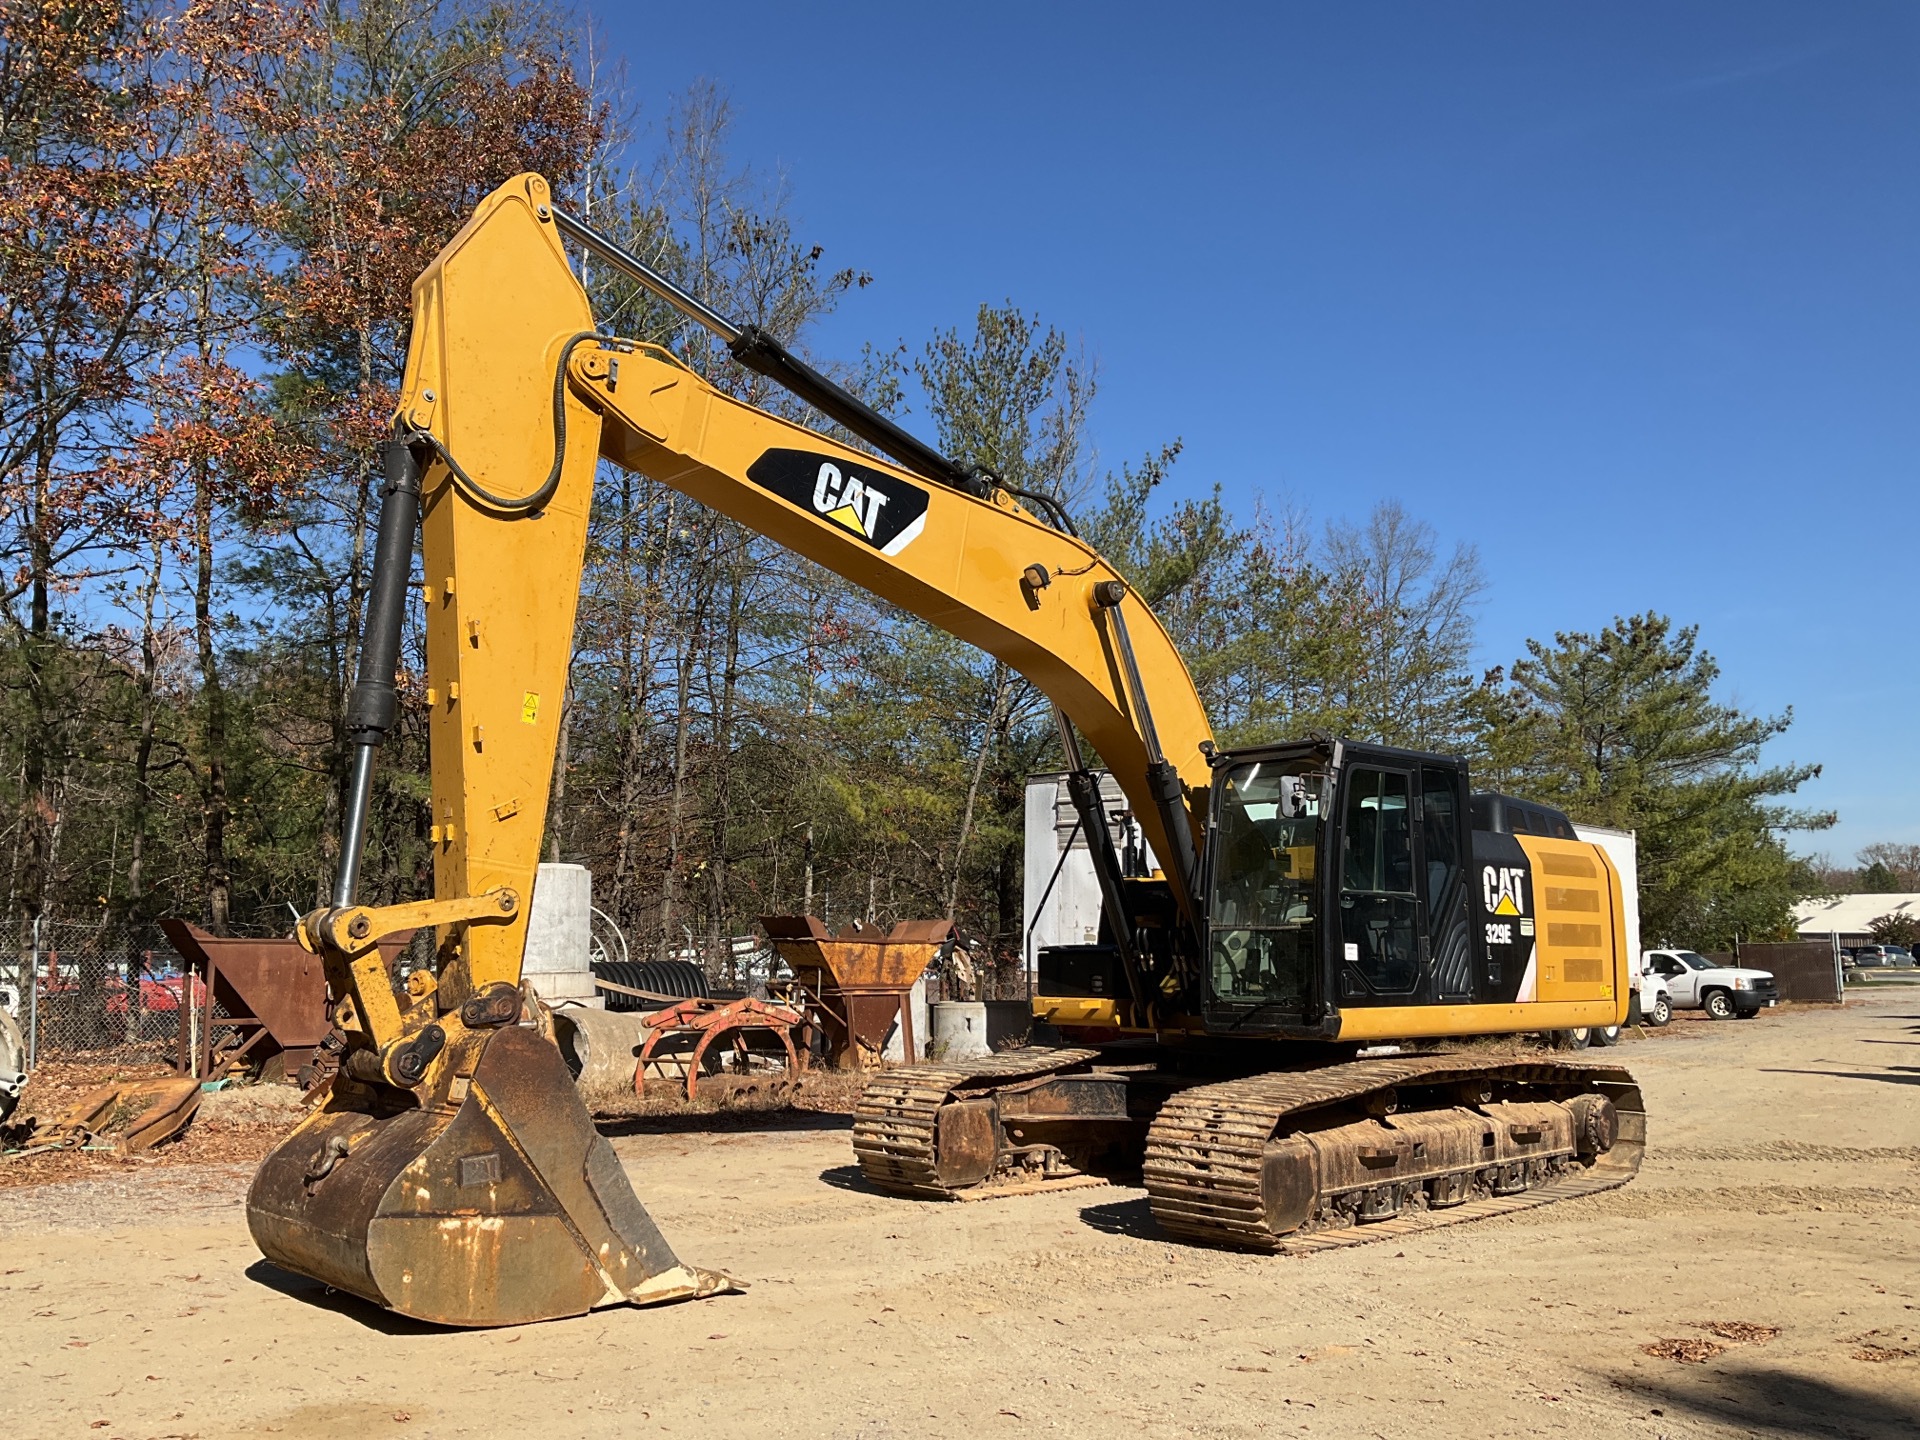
(1253, 1031)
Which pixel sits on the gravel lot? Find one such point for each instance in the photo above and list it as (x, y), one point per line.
(1762, 1276)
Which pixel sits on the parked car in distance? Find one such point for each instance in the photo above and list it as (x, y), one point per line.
(1695, 983)
(1880, 957)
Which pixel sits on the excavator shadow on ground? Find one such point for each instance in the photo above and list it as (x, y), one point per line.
(1911, 1075)
(1763, 1401)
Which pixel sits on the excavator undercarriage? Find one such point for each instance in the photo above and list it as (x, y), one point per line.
(1292, 1160)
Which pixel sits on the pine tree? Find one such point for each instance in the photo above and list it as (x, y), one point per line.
(1621, 729)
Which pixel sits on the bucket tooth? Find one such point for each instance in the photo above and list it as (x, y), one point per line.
(510, 1209)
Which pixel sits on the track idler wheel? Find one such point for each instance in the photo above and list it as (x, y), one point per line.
(501, 1207)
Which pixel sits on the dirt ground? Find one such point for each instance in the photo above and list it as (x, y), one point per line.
(1781, 1194)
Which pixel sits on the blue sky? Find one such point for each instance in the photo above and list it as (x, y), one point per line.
(1625, 294)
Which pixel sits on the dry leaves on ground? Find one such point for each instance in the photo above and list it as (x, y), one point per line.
(1880, 1354)
(1688, 1350)
(1872, 1351)
(1739, 1332)
(235, 1126)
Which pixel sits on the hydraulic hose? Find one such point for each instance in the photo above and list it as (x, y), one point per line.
(536, 499)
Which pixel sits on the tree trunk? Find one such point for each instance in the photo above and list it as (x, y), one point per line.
(213, 700)
(806, 860)
(140, 815)
(635, 692)
(218, 878)
(723, 759)
(39, 809)
(677, 801)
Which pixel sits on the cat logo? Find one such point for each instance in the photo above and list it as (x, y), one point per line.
(883, 510)
(1503, 890)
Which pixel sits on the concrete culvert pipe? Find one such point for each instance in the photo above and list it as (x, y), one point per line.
(601, 1047)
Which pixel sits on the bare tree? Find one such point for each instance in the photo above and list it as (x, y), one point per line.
(1411, 679)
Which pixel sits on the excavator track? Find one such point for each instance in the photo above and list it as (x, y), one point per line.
(1209, 1146)
(894, 1122)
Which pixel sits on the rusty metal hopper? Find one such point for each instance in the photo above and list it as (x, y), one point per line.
(271, 994)
(861, 978)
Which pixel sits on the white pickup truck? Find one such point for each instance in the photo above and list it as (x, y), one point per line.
(1651, 1003)
(1693, 982)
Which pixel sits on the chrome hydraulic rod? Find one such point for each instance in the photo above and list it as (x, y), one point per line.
(634, 268)
(764, 355)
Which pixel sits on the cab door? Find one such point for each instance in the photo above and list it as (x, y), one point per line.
(1378, 929)
(1443, 826)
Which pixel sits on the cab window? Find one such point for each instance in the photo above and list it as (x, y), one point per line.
(1263, 938)
(1377, 901)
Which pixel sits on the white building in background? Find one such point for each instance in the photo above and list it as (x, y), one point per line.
(1849, 918)
(1062, 900)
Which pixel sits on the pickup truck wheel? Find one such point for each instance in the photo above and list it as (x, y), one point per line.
(1718, 1005)
(1569, 1039)
(1603, 1035)
(1662, 1012)
(1748, 1014)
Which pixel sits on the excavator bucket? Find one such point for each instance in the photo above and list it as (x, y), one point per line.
(500, 1207)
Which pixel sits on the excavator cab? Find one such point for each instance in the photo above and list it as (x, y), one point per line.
(1265, 910)
(1337, 880)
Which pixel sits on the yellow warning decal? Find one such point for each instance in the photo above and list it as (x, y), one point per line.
(529, 708)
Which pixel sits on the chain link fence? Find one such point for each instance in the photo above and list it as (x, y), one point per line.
(120, 994)
(106, 993)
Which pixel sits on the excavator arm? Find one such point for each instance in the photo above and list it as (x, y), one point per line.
(452, 1131)
(510, 393)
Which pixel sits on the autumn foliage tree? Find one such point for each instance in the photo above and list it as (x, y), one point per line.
(213, 212)
(401, 116)
(116, 130)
